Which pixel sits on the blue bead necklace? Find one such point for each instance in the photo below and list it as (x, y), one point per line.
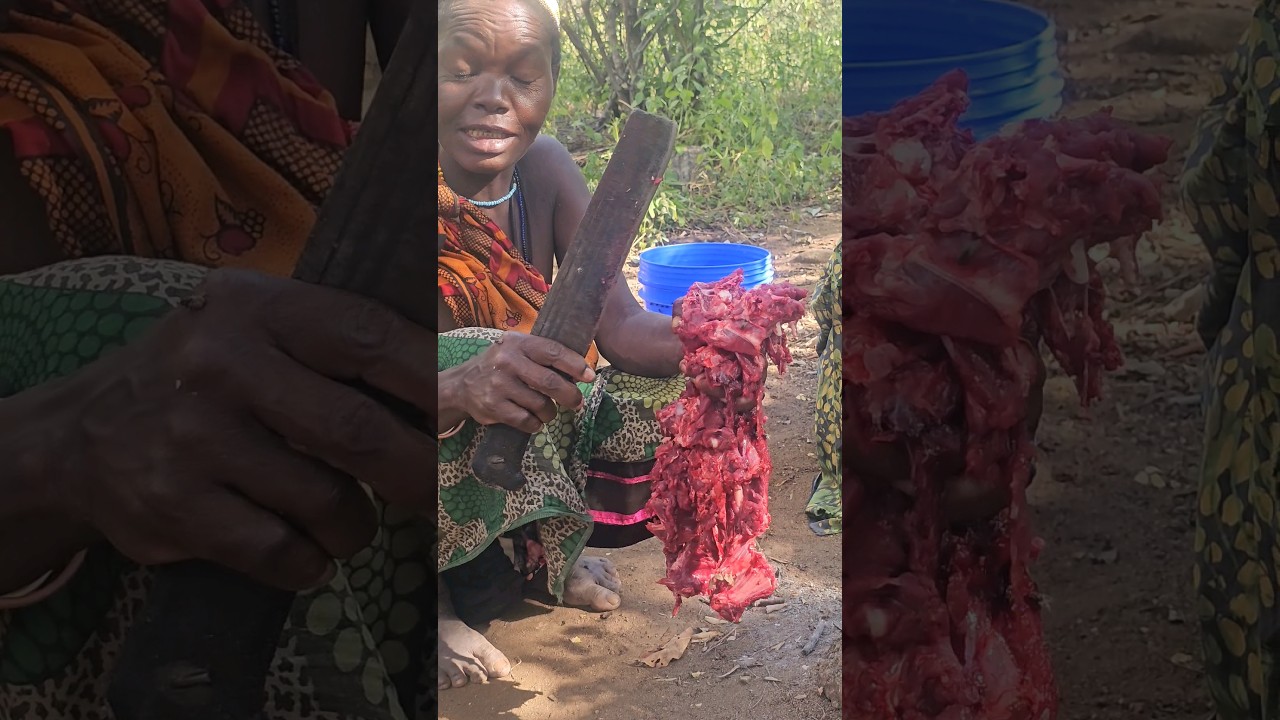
(515, 185)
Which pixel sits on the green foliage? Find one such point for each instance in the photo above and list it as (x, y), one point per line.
(755, 87)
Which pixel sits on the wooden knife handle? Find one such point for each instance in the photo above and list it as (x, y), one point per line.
(201, 648)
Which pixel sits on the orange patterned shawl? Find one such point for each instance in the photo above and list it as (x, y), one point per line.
(146, 148)
(482, 277)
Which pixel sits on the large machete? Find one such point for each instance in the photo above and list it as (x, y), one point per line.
(571, 313)
(203, 645)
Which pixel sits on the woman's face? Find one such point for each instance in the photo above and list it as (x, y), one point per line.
(496, 82)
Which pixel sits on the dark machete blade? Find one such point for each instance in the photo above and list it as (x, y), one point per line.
(571, 313)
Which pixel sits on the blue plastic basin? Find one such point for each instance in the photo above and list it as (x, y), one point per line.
(667, 272)
(893, 49)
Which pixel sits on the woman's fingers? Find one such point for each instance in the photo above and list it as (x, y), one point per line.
(509, 413)
(329, 506)
(551, 386)
(533, 402)
(233, 532)
(553, 355)
(342, 335)
(345, 428)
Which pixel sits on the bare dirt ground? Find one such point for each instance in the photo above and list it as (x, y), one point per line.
(572, 665)
(1118, 513)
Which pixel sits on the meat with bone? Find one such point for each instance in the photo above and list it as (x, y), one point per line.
(710, 488)
(960, 257)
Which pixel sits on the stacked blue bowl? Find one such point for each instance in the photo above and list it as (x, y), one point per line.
(667, 272)
(893, 49)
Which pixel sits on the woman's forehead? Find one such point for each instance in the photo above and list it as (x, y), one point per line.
(530, 18)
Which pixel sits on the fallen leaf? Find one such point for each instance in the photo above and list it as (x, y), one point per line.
(672, 651)
(696, 675)
(771, 678)
(706, 636)
(575, 640)
(715, 620)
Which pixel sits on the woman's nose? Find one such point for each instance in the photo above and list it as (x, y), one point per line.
(490, 95)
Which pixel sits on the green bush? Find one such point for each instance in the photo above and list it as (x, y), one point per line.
(757, 98)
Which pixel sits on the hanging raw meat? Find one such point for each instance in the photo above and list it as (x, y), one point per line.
(960, 258)
(710, 494)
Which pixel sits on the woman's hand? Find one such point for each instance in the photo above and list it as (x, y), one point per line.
(227, 433)
(518, 381)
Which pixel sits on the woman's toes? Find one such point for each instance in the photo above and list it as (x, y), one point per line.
(596, 597)
(610, 582)
(494, 662)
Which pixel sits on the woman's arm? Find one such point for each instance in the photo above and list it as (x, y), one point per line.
(633, 340)
(36, 535)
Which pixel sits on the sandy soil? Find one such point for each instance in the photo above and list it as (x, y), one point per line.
(1118, 512)
(573, 665)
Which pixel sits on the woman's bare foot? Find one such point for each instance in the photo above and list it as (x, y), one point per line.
(465, 656)
(462, 654)
(593, 583)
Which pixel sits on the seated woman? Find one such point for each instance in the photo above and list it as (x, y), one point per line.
(510, 204)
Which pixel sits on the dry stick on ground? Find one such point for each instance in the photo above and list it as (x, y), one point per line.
(813, 639)
(204, 642)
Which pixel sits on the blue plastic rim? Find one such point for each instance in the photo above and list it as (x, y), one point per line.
(667, 272)
(893, 49)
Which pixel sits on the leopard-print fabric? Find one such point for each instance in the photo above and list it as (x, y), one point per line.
(359, 649)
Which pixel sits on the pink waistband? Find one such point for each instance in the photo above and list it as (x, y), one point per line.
(615, 479)
(611, 518)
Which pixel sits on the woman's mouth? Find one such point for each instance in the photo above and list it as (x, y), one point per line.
(488, 141)
(480, 134)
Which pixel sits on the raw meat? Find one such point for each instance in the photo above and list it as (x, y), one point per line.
(710, 490)
(959, 258)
